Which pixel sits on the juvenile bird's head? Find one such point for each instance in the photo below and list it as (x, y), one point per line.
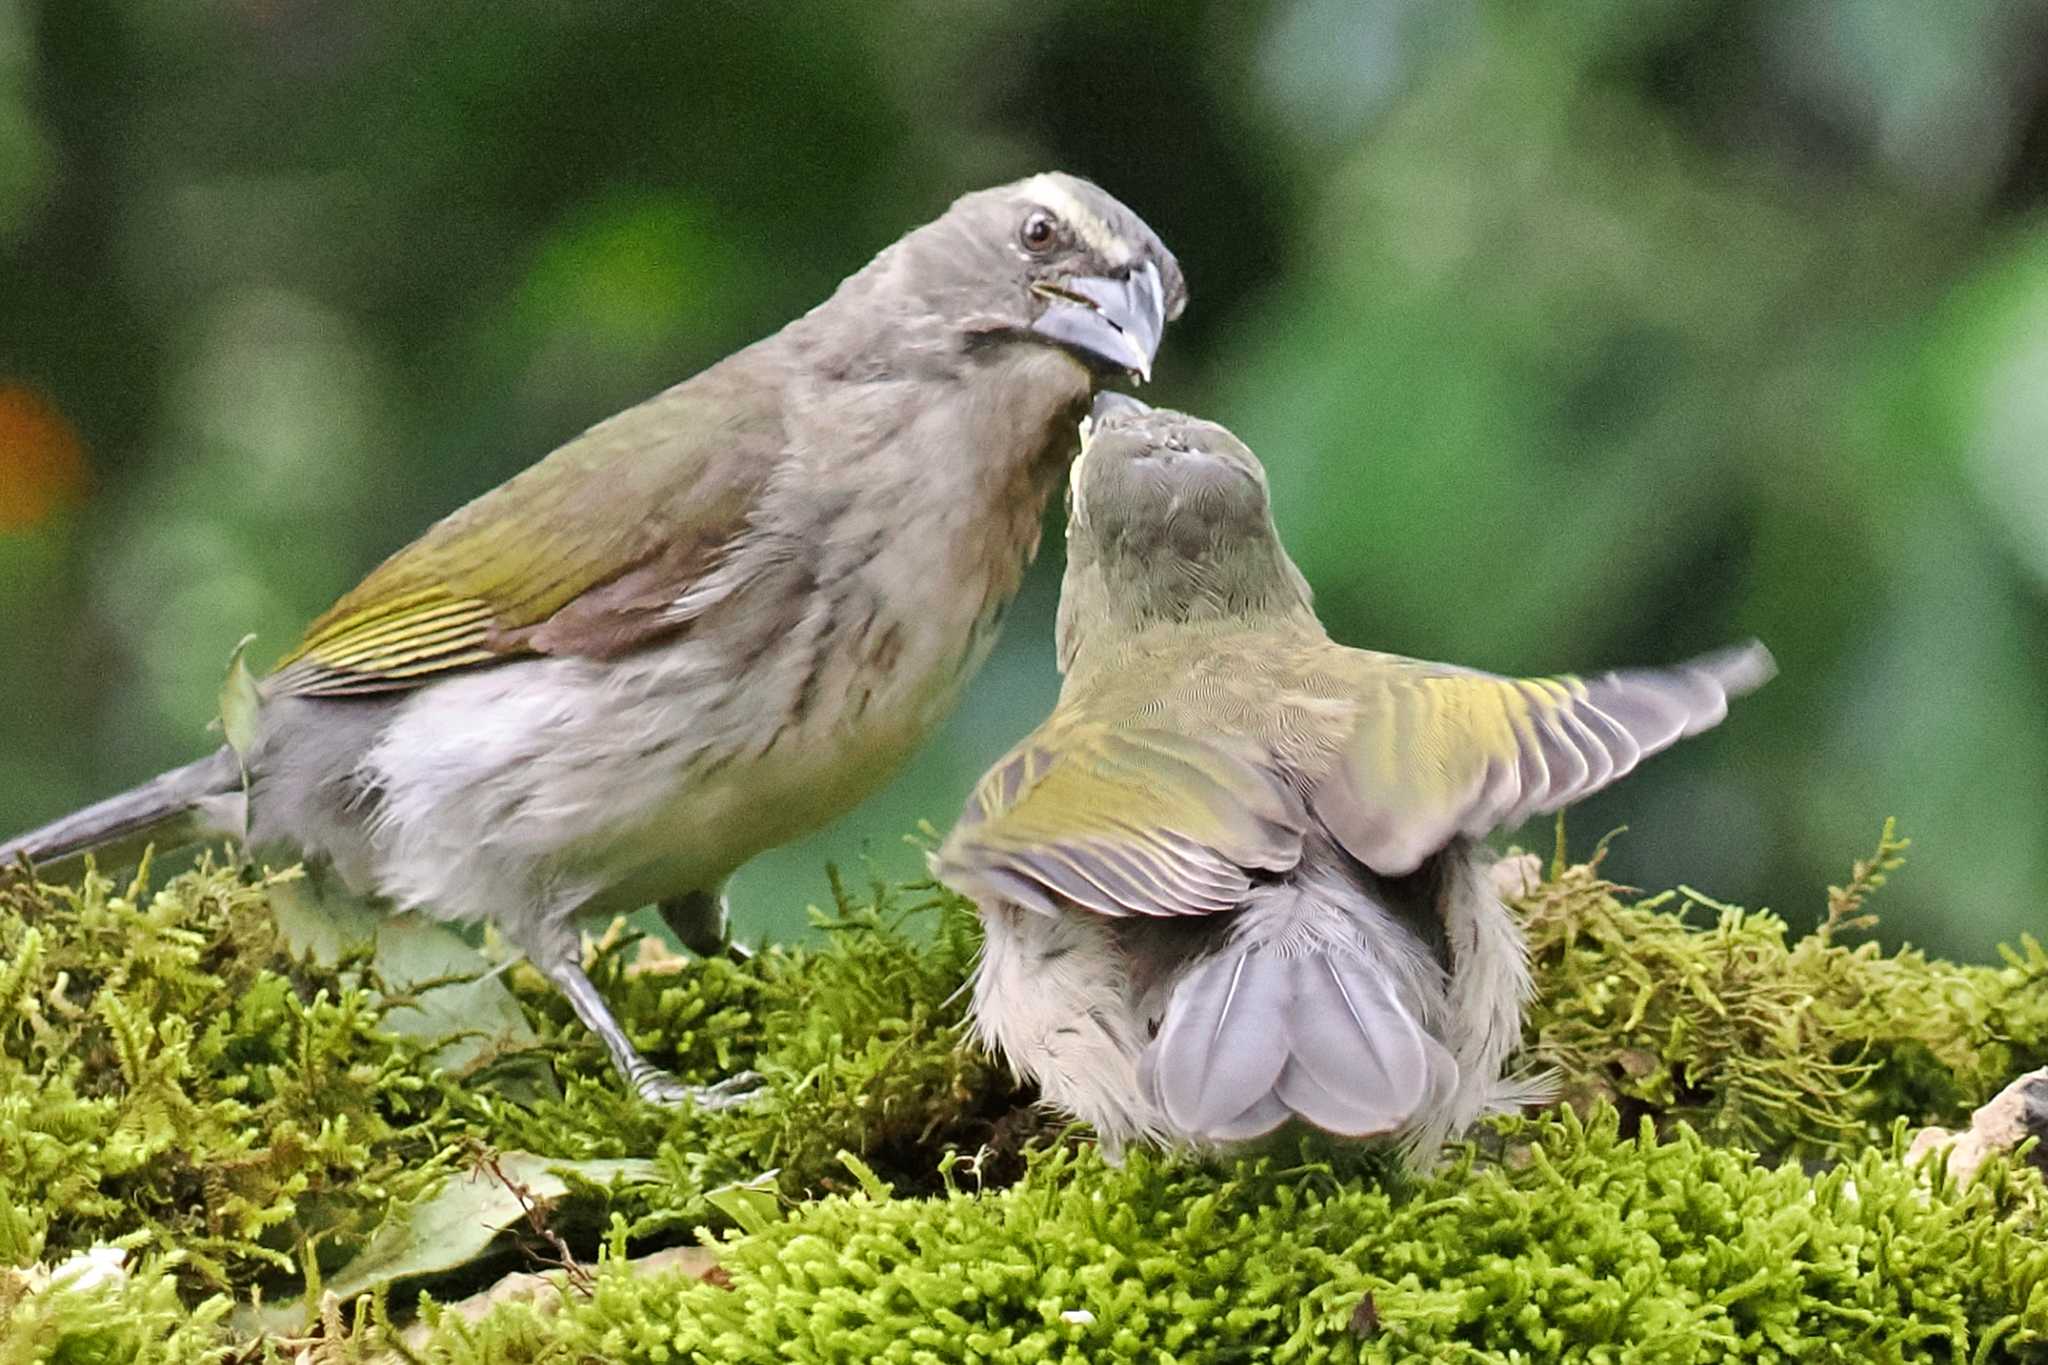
(1047, 261)
(1168, 521)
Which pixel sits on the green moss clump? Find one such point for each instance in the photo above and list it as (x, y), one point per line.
(127, 1319)
(172, 1080)
(167, 1084)
(1679, 1007)
(857, 1043)
(1587, 1246)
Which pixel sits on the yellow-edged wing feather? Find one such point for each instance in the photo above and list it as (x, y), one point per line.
(1123, 821)
(1437, 753)
(588, 552)
(1143, 798)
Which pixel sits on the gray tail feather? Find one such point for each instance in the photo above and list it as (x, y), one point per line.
(1256, 1035)
(169, 811)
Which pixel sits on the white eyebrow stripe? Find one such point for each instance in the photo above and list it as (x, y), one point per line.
(1107, 242)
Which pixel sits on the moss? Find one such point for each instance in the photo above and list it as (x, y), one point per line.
(168, 1084)
(1589, 1246)
(1682, 1008)
(136, 1316)
(856, 1043)
(173, 1082)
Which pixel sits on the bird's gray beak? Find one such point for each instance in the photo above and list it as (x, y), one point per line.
(1114, 322)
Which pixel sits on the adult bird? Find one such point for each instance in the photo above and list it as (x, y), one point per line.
(705, 626)
(1232, 882)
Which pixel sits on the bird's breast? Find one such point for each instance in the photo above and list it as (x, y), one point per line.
(873, 593)
(781, 731)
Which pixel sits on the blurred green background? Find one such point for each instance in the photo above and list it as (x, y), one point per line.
(1574, 335)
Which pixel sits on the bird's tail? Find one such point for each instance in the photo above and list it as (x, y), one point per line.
(169, 811)
(1306, 1023)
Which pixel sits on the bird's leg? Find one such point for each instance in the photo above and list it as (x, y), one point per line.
(700, 923)
(647, 1080)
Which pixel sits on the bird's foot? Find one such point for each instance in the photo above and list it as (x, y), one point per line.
(660, 1088)
(646, 1080)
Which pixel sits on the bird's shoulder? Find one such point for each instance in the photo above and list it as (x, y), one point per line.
(1124, 819)
(591, 551)
(1160, 785)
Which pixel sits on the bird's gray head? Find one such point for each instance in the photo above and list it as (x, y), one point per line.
(1168, 520)
(1050, 261)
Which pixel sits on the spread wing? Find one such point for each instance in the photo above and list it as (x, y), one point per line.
(1436, 752)
(593, 551)
(1124, 821)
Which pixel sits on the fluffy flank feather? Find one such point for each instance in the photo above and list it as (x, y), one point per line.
(1046, 994)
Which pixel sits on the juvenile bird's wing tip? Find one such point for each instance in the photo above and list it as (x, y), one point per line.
(1741, 669)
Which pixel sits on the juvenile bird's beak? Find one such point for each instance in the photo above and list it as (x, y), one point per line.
(1113, 322)
(1108, 405)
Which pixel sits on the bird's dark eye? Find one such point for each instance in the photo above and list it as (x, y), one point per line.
(1040, 231)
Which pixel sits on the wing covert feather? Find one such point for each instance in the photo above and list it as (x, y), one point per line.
(1125, 821)
(585, 553)
(1438, 753)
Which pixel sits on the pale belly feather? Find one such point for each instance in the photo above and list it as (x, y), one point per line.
(778, 769)
(721, 813)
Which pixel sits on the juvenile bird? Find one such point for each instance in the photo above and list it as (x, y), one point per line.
(702, 628)
(1232, 881)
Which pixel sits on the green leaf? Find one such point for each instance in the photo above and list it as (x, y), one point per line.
(451, 1227)
(437, 987)
(241, 705)
(751, 1204)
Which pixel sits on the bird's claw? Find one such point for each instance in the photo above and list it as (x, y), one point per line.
(660, 1088)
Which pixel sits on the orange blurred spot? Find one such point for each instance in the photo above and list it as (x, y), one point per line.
(42, 461)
